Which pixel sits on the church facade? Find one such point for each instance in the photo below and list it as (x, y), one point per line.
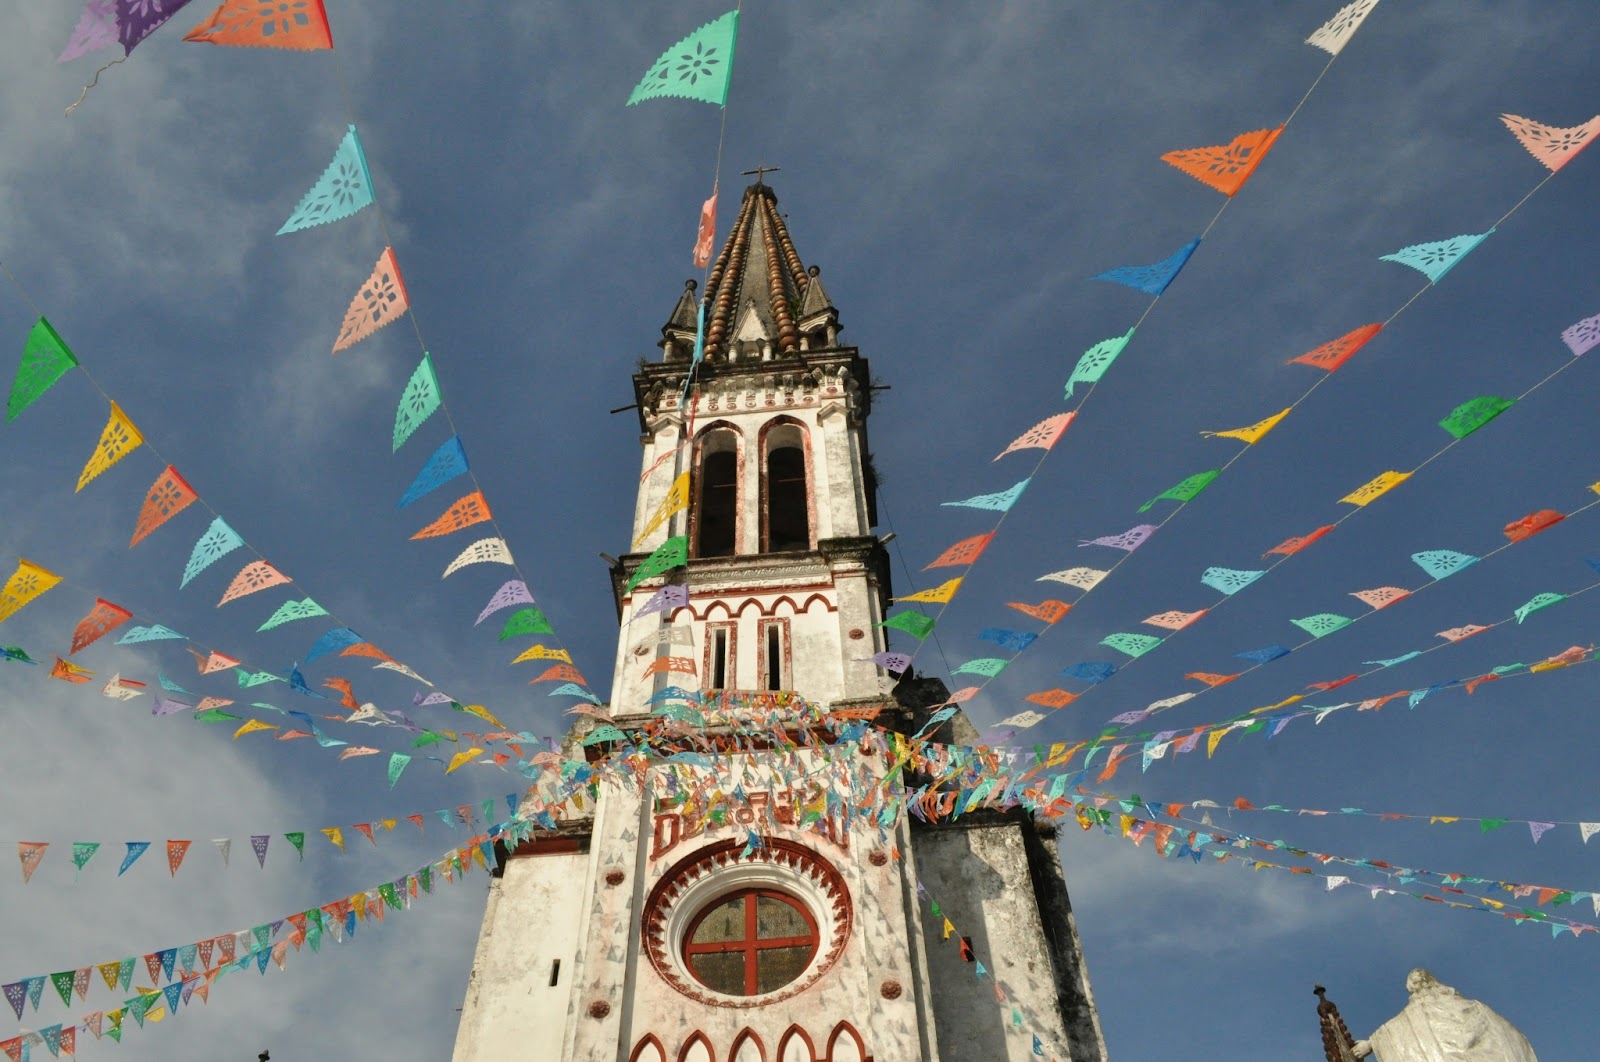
(655, 926)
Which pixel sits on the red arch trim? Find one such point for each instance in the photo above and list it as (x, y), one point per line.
(649, 1041)
(790, 1036)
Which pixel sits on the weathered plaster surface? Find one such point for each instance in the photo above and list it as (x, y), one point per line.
(983, 878)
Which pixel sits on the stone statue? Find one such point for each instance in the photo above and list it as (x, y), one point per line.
(1439, 1025)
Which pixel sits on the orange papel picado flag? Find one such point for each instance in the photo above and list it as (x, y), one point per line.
(299, 24)
(472, 509)
(168, 496)
(965, 552)
(1229, 165)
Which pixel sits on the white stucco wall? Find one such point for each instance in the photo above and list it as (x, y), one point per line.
(511, 1009)
(980, 877)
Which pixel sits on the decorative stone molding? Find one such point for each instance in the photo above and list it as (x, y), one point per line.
(701, 878)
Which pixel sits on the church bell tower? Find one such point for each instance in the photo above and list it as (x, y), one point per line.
(750, 899)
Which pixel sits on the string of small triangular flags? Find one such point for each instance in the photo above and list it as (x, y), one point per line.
(1272, 719)
(344, 189)
(1170, 842)
(1261, 657)
(1461, 422)
(1537, 828)
(1225, 168)
(31, 853)
(299, 25)
(193, 968)
(990, 778)
(1434, 260)
(699, 67)
(30, 580)
(1436, 564)
(1449, 882)
(168, 701)
(45, 359)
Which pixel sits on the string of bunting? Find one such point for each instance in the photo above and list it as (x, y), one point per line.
(296, 24)
(31, 853)
(212, 708)
(827, 807)
(1436, 564)
(31, 580)
(45, 359)
(983, 777)
(1449, 637)
(472, 509)
(1170, 842)
(1224, 168)
(1537, 828)
(991, 778)
(1447, 882)
(1154, 745)
(191, 969)
(344, 189)
(1462, 421)
(166, 701)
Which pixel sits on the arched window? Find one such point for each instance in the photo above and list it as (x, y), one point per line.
(786, 514)
(717, 507)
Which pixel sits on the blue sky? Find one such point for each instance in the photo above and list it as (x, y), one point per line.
(958, 173)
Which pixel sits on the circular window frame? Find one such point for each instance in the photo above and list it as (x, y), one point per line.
(747, 944)
(704, 879)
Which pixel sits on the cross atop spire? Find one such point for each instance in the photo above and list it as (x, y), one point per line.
(761, 170)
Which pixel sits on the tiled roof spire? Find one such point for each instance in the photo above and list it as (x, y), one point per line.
(760, 300)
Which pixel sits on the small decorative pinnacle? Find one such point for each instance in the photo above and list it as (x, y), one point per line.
(1337, 1044)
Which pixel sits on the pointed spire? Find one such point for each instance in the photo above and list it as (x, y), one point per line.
(759, 299)
(684, 313)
